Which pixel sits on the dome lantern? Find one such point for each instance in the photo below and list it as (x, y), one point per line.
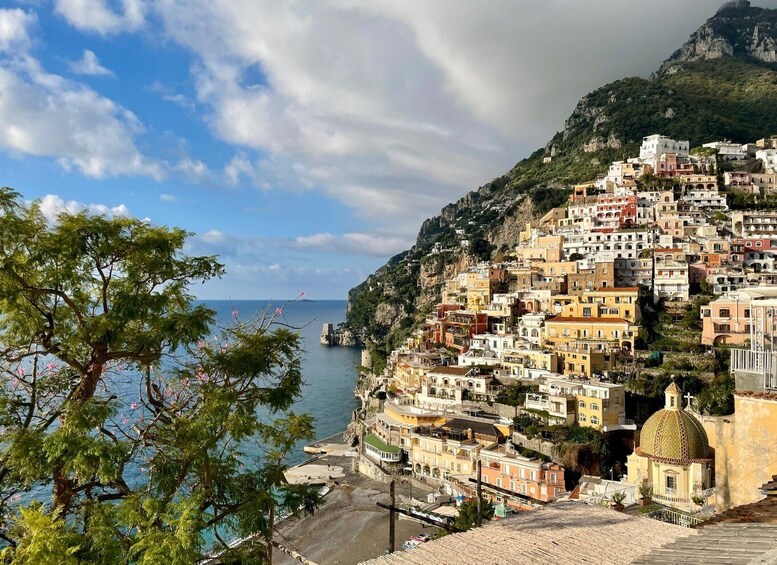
(673, 397)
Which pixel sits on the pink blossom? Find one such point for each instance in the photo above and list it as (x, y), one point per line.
(15, 383)
(21, 371)
(125, 421)
(134, 406)
(235, 313)
(169, 392)
(302, 293)
(279, 311)
(51, 366)
(200, 344)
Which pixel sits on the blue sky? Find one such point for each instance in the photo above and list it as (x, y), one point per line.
(304, 142)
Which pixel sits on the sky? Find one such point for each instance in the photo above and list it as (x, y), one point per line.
(304, 142)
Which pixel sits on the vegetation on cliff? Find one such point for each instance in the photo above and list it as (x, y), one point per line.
(698, 95)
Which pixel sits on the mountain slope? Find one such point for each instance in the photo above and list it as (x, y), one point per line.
(721, 84)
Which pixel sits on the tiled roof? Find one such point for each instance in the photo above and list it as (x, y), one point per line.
(567, 533)
(481, 428)
(448, 370)
(720, 544)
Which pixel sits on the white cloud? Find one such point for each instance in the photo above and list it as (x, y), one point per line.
(97, 16)
(194, 169)
(396, 108)
(88, 64)
(52, 206)
(168, 198)
(238, 167)
(376, 245)
(44, 115)
(15, 27)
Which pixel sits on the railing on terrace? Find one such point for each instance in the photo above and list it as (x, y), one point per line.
(674, 517)
(672, 498)
(763, 362)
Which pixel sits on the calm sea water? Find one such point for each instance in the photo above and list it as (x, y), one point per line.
(329, 372)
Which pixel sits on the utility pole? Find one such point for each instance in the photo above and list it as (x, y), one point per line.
(392, 518)
(270, 527)
(479, 492)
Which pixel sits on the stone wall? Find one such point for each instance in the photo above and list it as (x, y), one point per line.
(544, 447)
(502, 410)
(745, 447)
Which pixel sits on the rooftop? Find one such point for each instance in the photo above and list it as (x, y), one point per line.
(448, 370)
(380, 445)
(561, 533)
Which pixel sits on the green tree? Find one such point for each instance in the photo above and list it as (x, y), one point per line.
(468, 513)
(124, 419)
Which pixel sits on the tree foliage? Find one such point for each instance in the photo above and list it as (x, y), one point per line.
(468, 513)
(127, 425)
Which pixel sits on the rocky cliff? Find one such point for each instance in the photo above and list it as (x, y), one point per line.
(737, 29)
(720, 84)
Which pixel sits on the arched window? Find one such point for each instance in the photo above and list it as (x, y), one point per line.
(581, 404)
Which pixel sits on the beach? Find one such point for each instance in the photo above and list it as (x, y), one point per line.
(349, 528)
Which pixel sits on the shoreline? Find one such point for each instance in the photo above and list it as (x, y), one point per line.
(349, 527)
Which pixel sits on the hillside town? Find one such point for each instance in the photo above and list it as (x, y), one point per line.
(621, 355)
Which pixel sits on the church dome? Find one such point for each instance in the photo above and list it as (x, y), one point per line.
(672, 435)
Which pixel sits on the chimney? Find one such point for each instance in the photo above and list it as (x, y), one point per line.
(770, 488)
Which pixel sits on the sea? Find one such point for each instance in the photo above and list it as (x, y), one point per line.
(329, 372)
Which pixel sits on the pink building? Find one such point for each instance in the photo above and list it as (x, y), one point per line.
(616, 211)
(505, 472)
(725, 320)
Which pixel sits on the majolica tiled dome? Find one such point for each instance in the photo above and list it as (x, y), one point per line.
(672, 435)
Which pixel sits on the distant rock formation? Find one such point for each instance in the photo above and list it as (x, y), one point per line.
(339, 336)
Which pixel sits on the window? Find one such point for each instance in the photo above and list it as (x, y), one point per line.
(581, 404)
(594, 406)
(671, 484)
(725, 313)
(582, 417)
(594, 420)
(586, 312)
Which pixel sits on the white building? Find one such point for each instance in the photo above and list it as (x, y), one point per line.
(653, 146)
(610, 245)
(751, 223)
(769, 159)
(728, 150)
(706, 199)
(529, 327)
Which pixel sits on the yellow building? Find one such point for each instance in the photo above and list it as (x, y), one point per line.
(602, 406)
(548, 248)
(673, 456)
(436, 454)
(745, 445)
(605, 303)
(585, 362)
(397, 421)
(594, 333)
(556, 268)
(481, 285)
(520, 361)
(596, 404)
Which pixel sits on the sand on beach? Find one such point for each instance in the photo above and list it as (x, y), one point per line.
(349, 528)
